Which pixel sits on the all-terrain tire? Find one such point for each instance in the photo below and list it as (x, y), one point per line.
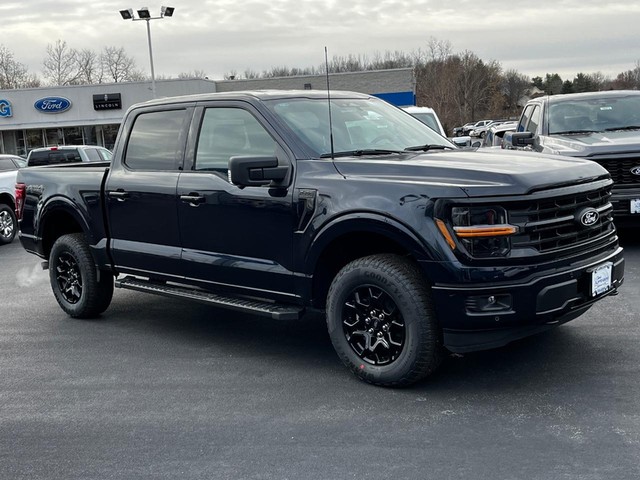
(79, 289)
(381, 321)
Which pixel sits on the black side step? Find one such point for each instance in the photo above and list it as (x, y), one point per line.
(266, 309)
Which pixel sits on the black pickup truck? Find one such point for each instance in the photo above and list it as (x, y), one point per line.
(600, 126)
(279, 202)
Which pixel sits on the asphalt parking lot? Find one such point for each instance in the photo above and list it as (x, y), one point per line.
(160, 388)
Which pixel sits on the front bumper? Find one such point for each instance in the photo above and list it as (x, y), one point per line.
(535, 303)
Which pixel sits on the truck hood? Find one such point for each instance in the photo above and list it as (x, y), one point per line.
(585, 144)
(476, 173)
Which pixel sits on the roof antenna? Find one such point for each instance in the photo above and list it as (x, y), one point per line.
(326, 62)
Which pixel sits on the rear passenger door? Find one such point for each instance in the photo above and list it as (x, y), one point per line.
(140, 193)
(238, 239)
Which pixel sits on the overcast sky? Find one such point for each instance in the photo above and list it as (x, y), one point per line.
(218, 36)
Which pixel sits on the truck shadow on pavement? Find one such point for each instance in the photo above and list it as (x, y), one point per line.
(566, 354)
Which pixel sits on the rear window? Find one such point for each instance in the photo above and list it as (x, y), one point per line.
(50, 157)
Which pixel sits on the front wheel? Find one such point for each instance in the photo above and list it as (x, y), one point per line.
(80, 291)
(381, 321)
(7, 224)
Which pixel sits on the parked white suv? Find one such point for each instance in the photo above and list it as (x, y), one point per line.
(9, 165)
(427, 116)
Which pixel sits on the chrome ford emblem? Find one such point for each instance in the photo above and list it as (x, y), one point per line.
(635, 170)
(588, 217)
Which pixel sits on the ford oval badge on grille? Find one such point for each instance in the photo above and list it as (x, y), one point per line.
(588, 217)
(636, 170)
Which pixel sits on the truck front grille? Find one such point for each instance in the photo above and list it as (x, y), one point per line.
(620, 168)
(551, 224)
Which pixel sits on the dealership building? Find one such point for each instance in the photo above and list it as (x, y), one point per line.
(91, 114)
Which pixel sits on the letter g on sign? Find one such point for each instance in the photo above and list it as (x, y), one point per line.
(5, 109)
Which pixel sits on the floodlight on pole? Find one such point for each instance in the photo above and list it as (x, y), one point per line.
(144, 14)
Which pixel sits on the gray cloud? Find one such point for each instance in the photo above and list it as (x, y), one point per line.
(216, 36)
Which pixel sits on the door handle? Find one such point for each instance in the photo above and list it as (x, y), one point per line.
(193, 199)
(119, 195)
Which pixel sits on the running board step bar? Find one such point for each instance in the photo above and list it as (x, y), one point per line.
(256, 307)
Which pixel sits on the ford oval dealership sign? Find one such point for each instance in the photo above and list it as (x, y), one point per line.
(53, 104)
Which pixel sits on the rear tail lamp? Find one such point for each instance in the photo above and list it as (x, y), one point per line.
(21, 190)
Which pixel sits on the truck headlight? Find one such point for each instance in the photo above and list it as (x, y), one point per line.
(483, 231)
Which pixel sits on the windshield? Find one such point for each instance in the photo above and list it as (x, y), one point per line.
(359, 125)
(595, 115)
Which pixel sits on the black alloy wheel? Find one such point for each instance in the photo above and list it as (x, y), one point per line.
(373, 325)
(69, 278)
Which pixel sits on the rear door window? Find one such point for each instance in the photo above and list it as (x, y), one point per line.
(155, 142)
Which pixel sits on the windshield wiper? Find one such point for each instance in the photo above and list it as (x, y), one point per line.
(360, 153)
(427, 147)
(630, 127)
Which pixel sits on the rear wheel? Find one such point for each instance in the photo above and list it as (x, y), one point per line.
(8, 224)
(80, 291)
(381, 321)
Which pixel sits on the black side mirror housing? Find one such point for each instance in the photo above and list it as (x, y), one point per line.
(256, 171)
(518, 139)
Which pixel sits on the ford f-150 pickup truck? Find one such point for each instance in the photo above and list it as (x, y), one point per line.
(278, 202)
(600, 126)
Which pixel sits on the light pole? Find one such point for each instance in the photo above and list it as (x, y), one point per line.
(144, 14)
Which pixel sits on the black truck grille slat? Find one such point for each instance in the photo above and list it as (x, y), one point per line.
(550, 224)
(620, 169)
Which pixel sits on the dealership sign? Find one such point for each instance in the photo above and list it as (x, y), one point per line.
(107, 101)
(53, 104)
(5, 108)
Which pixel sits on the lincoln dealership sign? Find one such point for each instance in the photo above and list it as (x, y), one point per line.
(53, 104)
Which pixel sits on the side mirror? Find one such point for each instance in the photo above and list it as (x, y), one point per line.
(518, 139)
(256, 171)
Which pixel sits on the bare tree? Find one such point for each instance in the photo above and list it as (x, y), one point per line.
(14, 74)
(232, 75)
(435, 75)
(250, 74)
(88, 67)
(390, 60)
(629, 80)
(118, 66)
(514, 87)
(193, 74)
(60, 64)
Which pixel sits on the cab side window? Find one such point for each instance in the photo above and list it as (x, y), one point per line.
(155, 141)
(229, 132)
(534, 121)
(524, 119)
